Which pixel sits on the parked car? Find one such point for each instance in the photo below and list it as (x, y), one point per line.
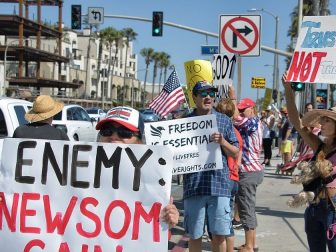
(12, 112)
(148, 115)
(76, 122)
(96, 113)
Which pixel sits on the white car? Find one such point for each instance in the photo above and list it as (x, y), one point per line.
(76, 122)
(12, 112)
(96, 113)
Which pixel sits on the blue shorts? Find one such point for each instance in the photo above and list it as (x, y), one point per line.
(213, 210)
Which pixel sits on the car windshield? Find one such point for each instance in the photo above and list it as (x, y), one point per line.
(92, 111)
(148, 112)
(58, 116)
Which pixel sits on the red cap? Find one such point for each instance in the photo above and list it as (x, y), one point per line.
(246, 103)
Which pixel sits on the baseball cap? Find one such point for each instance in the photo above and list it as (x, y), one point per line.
(269, 107)
(245, 103)
(125, 116)
(203, 85)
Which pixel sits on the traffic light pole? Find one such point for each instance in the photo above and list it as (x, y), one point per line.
(210, 34)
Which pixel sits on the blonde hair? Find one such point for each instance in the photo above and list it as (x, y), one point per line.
(226, 106)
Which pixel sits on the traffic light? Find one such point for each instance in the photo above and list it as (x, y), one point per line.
(275, 94)
(76, 17)
(157, 23)
(298, 86)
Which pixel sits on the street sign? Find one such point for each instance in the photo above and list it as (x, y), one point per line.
(258, 82)
(240, 34)
(96, 15)
(209, 49)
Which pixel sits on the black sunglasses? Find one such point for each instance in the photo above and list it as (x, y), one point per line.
(206, 93)
(121, 131)
(242, 110)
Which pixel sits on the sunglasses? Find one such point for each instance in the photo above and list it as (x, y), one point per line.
(122, 132)
(331, 231)
(242, 110)
(206, 93)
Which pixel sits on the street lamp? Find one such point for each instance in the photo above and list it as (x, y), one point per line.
(3, 87)
(276, 59)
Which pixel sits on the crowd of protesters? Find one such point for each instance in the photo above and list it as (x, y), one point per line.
(224, 198)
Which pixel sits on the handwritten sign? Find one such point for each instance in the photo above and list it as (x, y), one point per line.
(314, 57)
(196, 70)
(189, 139)
(223, 66)
(73, 196)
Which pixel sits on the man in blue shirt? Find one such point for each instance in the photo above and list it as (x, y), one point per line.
(207, 194)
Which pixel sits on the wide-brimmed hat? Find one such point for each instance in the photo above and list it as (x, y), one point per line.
(312, 117)
(43, 108)
(245, 103)
(125, 116)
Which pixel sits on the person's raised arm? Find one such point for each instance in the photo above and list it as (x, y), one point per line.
(294, 116)
(232, 96)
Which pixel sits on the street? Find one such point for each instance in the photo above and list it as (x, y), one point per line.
(280, 228)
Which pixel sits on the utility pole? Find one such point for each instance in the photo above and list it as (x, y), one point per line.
(316, 12)
(87, 64)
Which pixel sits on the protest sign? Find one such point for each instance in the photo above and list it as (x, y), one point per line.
(223, 66)
(196, 70)
(73, 196)
(190, 140)
(313, 60)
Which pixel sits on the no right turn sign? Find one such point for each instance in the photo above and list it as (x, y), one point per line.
(240, 34)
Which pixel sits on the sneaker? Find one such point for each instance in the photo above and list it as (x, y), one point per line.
(236, 224)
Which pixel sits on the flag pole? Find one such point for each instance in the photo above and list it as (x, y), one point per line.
(185, 100)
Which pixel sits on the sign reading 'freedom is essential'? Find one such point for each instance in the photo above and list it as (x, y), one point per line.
(73, 196)
(190, 140)
(314, 58)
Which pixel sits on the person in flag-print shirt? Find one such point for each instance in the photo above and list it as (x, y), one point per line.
(251, 172)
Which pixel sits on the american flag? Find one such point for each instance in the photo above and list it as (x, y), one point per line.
(169, 98)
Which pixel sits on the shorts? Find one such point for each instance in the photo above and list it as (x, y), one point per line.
(246, 198)
(286, 146)
(213, 210)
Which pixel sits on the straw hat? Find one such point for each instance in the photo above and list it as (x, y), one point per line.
(44, 107)
(314, 116)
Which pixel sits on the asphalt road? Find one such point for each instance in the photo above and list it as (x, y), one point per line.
(280, 228)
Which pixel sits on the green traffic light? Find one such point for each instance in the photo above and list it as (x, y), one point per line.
(157, 30)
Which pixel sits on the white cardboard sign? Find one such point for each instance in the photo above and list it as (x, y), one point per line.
(190, 140)
(223, 66)
(73, 196)
(313, 60)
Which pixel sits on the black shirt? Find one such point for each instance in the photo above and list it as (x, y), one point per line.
(39, 130)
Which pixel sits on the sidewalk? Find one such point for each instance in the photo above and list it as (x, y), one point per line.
(280, 228)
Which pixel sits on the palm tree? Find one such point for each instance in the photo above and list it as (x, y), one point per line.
(130, 35)
(109, 35)
(100, 36)
(117, 42)
(156, 59)
(163, 64)
(147, 53)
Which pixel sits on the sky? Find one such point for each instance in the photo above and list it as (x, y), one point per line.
(184, 45)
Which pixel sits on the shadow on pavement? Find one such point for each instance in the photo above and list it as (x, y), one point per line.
(282, 214)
